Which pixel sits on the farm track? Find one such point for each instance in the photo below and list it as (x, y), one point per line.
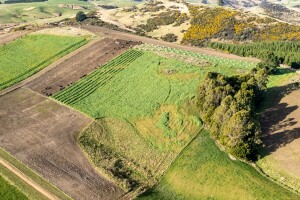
(42, 134)
(132, 37)
(28, 180)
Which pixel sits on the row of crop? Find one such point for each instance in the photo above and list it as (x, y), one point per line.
(89, 84)
(104, 70)
(96, 79)
(40, 65)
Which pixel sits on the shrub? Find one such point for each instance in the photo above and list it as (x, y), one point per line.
(170, 37)
(80, 16)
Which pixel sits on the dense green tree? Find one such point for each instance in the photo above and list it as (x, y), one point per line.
(221, 115)
(227, 106)
(214, 89)
(80, 16)
(285, 51)
(270, 62)
(239, 134)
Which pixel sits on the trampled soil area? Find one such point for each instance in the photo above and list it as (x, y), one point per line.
(79, 65)
(281, 133)
(42, 134)
(9, 37)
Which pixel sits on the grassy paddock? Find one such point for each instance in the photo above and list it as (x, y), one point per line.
(202, 171)
(8, 191)
(35, 177)
(27, 55)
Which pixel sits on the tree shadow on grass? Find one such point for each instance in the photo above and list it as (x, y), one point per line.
(275, 124)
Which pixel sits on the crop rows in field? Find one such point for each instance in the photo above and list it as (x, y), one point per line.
(28, 55)
(98, 78)
(217, 61)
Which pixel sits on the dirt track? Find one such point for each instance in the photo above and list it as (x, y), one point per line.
(28, 180)
(42, 134)
(128, 36)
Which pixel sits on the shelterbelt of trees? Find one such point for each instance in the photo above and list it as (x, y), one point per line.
(287, 52)
(227, 107)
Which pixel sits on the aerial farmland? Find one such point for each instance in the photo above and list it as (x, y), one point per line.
(93, 110)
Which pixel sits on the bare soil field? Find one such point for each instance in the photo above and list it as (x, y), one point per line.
(131, 37)
(42, 134)
(281, 137)
(79, 65)
(8, 37)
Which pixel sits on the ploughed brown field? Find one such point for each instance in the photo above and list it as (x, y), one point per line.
(42, 134)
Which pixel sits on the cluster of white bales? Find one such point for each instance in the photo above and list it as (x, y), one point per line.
(213, 59)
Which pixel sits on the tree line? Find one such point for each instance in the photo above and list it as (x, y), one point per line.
(287, 52)
(227, 106)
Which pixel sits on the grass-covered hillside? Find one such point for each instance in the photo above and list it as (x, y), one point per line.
(39, 12)
(203, 171)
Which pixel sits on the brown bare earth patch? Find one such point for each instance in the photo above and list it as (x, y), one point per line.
(42, 134)
(281, 137)
(9, 37)
(79, 65)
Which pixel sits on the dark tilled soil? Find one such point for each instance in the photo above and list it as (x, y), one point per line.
(42, 134)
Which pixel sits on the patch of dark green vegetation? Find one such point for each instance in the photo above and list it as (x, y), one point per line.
(227, 106)
(287, 52)
(170, 37)
(164, 18)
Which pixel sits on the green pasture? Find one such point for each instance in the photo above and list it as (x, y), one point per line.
(27, 55)
(119, 3)
(48, 11)
(203, 171)
(9, 191)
